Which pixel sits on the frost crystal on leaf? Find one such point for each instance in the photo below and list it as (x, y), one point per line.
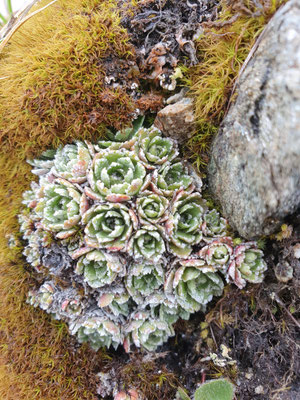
(123, 240)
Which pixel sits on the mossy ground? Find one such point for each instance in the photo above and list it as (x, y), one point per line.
(52, 90)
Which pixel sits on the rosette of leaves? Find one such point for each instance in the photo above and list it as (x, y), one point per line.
(193, 283)
(143, 279)
(59, 208)
(71, 162)
(43, 297)
(184, 224)
(32, 251)
(247, 265)
(165, 308)
(99, 268)
(154, 149)
(115, 300)
(98, 330)
(152, 208)
(71, 307)
(147, 332)
(147, 243)
(43, 164)
(124, 138)
(108, 225)
(218, 253)
(213, 225)
(115, 175)
(172, 177)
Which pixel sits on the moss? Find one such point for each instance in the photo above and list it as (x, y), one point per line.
(222, 50)
(36, 356)
(53, 69)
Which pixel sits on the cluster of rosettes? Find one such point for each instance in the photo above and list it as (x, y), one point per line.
(125, 241)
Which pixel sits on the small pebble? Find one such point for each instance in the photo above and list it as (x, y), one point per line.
(259, 389)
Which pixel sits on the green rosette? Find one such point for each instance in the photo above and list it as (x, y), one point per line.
(218, 253)
(193, 283)
(147, 243)
(184, 224)
(152, 207)
(115, 300)
(125, 138)
(172, 177)
(71, 162)
(247, 265)
(143, 279)
(109, 226)
(146, 331)
(99, 268)
(115, 175)
(213, 225)
(59, 208)
(154, 149)
(98, 331)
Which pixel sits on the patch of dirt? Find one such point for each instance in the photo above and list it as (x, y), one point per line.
(163, 33)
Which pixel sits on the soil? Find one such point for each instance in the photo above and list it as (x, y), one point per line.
(163, 32)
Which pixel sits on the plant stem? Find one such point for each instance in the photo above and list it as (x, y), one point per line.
(9, 7)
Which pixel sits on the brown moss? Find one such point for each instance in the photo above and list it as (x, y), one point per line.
(53, 72)
(37, 356)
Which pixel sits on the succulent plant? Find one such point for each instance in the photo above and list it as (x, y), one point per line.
(145, 331)
(151, 208)
(115, 175)
(247, 265)
(124, 138)
(71, 307)
(218, 253)
(172, 177)
(143, 279)
(194, 284)
(213, 225)
(99, 268)
(217, 389)
(44, 164)
(147, 243)
(184, 223)
(165, 308)
(108, 225)
(59, 208)
(45, 296)
(152, 148)
(123, 242)
(71, 162)
(115, 300)
(99, 331)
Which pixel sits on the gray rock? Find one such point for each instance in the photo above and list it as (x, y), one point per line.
(254, 171)
(177, 120)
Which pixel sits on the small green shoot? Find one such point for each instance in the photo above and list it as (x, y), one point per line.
(219, 389)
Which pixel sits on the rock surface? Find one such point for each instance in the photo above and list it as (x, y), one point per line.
(254, 170)
(177, 120)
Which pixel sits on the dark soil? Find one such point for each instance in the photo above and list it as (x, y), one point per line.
(163, 32)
